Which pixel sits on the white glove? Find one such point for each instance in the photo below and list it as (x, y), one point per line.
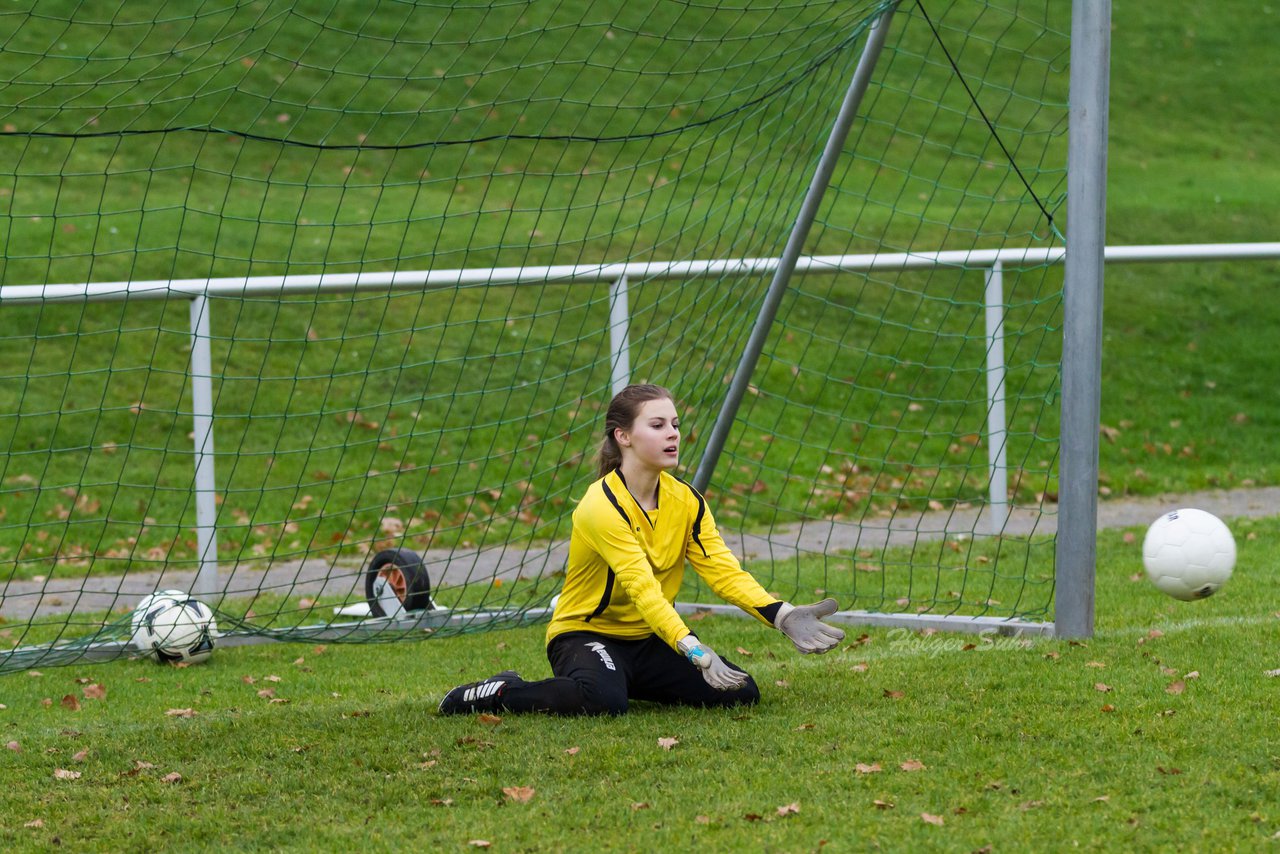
(719, 675)
(802, 624)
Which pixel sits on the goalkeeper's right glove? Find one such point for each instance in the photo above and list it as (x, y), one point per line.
(803, 625)
(719, 675)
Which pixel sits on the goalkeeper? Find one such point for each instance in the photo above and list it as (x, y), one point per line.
(614, 635)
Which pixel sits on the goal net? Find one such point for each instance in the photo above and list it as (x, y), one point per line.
(290, 287)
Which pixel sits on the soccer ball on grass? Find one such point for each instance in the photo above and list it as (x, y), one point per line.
(1188, 554)
(172, 627)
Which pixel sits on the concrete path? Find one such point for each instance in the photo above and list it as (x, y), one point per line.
(20, 601)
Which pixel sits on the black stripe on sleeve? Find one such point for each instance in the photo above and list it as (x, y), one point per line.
(613, 499)
(697, 520)
(608, 594)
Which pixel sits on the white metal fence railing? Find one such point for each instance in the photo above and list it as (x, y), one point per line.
(992, 261)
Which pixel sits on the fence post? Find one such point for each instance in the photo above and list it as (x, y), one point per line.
(202, 424)
(997, 421)
(619, 340)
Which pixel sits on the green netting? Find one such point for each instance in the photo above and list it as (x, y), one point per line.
(194, 145)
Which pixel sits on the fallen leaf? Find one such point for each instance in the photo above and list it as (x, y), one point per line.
(1272, 673)
(893, 695)
(1175, 687)
(267, 693)
(864, 768)
(64, 774)
(486, 718)
(668, 743)
(788, 809)
(480, 843)
(1194, 674)
(139, 765)
(931, 819)
(1169, 771)
(883, 805)
(1094, 664)
(81, 756)
(95, 691)
(272, 678)
(782, 683)
(181, 713)
(804, 727)
(71, 703)
(751, 816)
(702, 819)
(1101, 686)
(519, 794)
(742, 651)
(14, 746)
(442, 802)
(35, 822)
(1101, 799)
(572, 751)
(1107, 707)
(912, 765)
(860, 667)
(175, 777)
(640, 805)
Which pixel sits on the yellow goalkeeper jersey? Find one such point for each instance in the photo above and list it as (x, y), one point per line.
(626, 564)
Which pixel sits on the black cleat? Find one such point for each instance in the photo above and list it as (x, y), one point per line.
(485, 696)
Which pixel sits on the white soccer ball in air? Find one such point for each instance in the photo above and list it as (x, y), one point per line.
(1188, 554)
(172, 627)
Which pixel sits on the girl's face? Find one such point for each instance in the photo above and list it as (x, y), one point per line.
(654, 437)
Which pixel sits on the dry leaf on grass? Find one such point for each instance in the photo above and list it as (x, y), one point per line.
(479, 843)
(519, 794)
(95, 691)
(71, 703)
(81, 756)
(1101, 686)
(181, 713)
(490, 720)
(882, 805)
(668, 743)
(572, 751)
(893, 695)
(64, 774)
(788, 809)
(174, 777)
(865, 768)
(1175, 687)
(912, 765)
(14, 746)
(928, 818)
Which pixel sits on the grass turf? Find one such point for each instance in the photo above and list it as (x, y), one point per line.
(1142, 737)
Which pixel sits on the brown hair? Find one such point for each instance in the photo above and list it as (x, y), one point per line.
(622, 413)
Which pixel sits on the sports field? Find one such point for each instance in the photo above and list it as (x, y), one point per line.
(1151, 735)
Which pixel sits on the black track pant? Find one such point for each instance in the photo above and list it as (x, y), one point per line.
(596, 675)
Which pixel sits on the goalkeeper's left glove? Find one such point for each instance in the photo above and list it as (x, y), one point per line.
(802, 624)
(715, 671)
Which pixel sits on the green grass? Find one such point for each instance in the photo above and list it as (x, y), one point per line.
(1021, 748)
